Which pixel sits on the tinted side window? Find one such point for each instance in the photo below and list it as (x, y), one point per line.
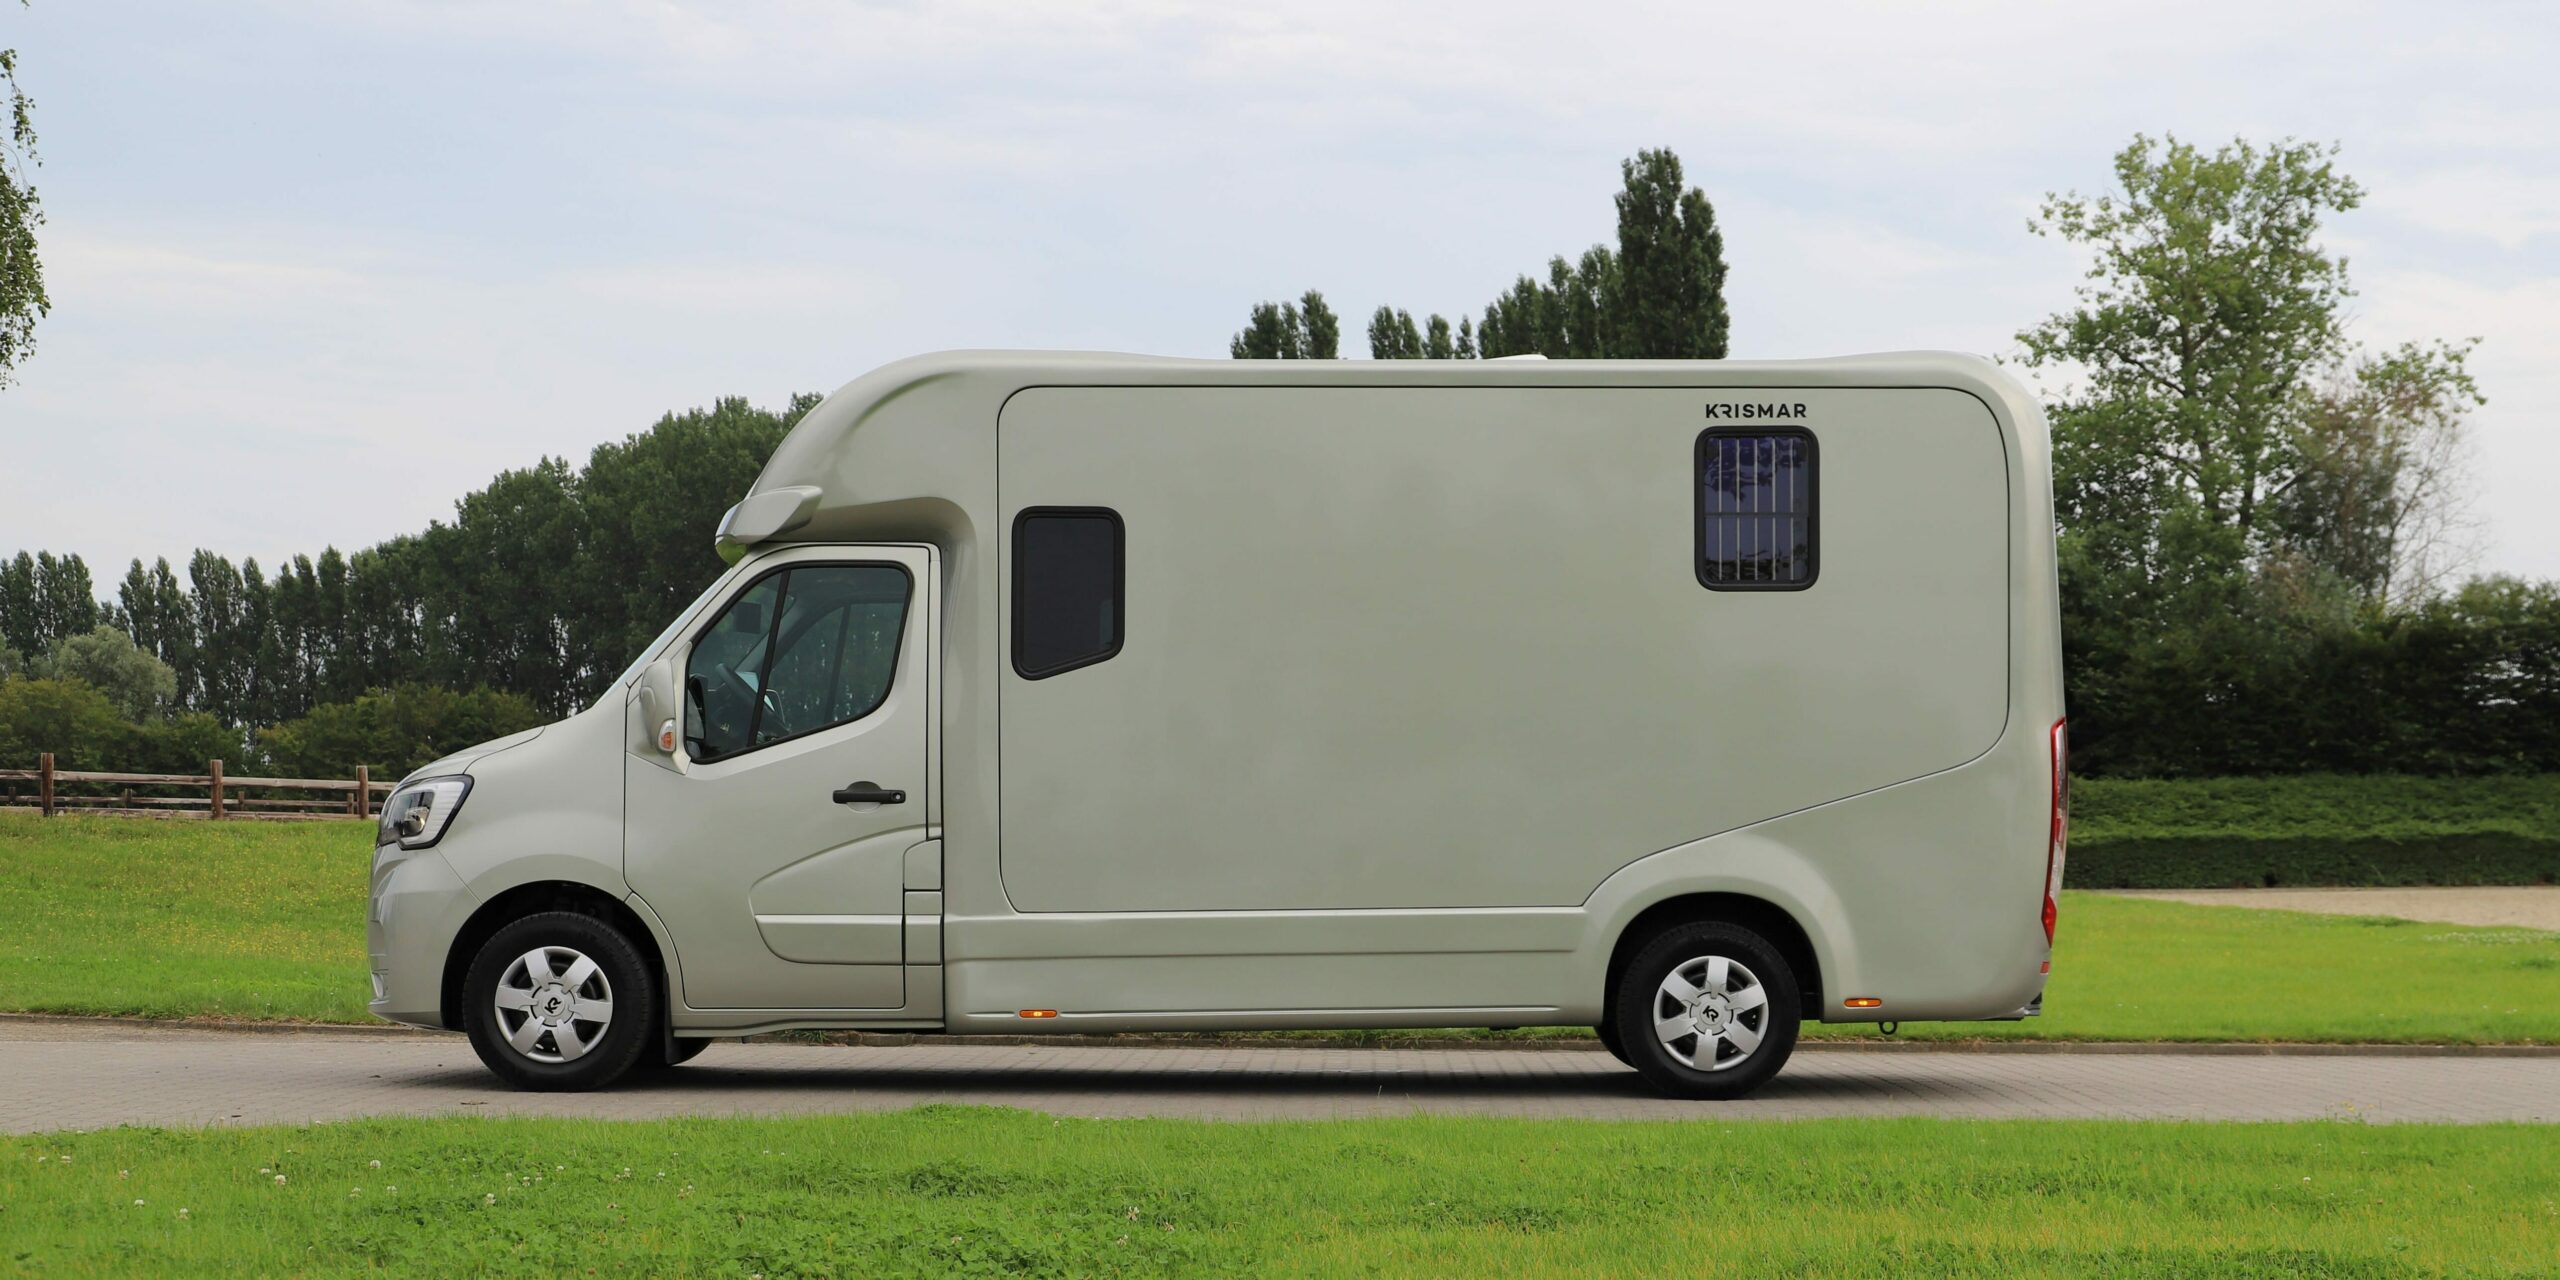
(1756, 510)
(805, 649)
(1068, 588)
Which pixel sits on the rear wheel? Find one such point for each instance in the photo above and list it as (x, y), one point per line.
(1707, 1010)
(560, 1001)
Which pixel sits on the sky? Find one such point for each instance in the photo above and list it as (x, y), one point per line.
(321, 267)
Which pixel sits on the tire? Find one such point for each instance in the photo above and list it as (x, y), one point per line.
(1731, 1045)
(543, 972)
(1608, 1033)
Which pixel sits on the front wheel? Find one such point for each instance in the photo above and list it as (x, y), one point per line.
(1707, 1011)
(560, 1001)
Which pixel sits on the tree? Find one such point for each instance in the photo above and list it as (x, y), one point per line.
(160, 617)
(1667, 299)
(2208, 307)
(43, 598)
(1303, 330)
(223, 648)
(1273, 332)
(141, 687)
(22, 295)
(647, 505)
(1569, 316)
(1394, 336)
(20, 615)
(2378, 499)
(1324, 329)
(2244, 499)
(66, 599)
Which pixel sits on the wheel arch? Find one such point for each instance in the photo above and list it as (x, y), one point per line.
(533, 899)
(1759, 915)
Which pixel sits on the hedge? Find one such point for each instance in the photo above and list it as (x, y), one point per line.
(2313, 831)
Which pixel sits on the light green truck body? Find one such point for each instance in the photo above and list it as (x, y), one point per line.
(1418, 702)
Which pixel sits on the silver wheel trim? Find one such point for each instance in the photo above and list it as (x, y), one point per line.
(1710, 1013)
(553, 1004)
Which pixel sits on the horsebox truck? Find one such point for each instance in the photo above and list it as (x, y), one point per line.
(1061, 693)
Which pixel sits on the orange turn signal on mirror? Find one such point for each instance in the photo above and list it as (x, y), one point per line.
(1035, 1013)
(1863, 1002)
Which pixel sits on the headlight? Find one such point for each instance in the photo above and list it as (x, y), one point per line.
(416, 815)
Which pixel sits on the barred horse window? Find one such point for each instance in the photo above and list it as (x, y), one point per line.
(1755, 509)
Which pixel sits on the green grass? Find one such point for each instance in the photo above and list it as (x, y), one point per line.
(945, 1191)
(265, 920)
(183, 918)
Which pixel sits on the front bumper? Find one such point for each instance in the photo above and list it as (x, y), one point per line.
(418, 906)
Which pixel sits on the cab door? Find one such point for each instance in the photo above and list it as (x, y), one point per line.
(772, 840)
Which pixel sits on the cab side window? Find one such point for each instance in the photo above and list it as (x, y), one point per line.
(804, 649)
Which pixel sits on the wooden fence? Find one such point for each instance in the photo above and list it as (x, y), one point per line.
(119, 794)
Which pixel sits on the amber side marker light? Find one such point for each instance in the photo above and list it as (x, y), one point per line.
(1035, 1013)
(1863, 1002)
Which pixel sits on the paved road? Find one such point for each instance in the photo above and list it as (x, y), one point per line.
(62, 1076)
(2534, 906)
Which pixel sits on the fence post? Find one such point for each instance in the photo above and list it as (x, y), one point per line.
(44, 784)
(216, 771)
(364, 791)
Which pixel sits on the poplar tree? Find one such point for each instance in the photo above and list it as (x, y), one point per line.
(1303, 330)
(1666, 300)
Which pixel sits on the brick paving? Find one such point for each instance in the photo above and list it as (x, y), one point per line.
(66, 1076)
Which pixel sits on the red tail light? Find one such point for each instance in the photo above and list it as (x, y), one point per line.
(2061, 830)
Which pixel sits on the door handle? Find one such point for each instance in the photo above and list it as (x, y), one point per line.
(869, 793)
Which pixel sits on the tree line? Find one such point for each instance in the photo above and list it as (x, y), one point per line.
(544, 584)
(1657, 295)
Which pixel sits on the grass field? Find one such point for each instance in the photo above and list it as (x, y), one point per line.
(178, 918)
(260, 920)
(966, 1192)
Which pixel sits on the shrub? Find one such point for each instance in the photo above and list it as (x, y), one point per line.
(66, 717)
(182, 744)
(2314, 830)
(392, 731)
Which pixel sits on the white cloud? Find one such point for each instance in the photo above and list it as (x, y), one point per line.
(2503, 205)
